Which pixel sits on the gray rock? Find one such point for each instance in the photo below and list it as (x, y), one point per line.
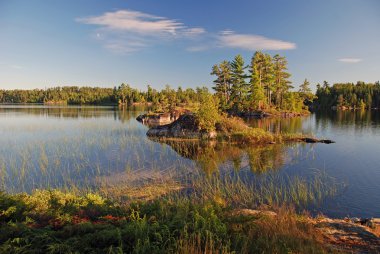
(185, 126)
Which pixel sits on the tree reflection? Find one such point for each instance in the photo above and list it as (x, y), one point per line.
(210, 155)
(358, 119)
(74, 112)
(278, 124)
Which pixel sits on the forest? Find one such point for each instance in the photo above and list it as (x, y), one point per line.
(263, 84)
(123, 94)
(348, 96)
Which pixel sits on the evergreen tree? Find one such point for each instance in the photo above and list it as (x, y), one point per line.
(240, 88)
(281, 83)
(256, 69)
(306, 93)
(362, 95)
(222, 83)
(268, 77)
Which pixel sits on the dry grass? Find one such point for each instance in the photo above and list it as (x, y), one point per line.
(236, 130)
(283, 233)
(138, 185)
(194, 245)
(230, 125)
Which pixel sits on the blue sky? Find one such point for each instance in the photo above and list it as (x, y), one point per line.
(140, 42)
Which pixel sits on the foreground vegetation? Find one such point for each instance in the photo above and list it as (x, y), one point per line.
(202, 213)
(56, 222)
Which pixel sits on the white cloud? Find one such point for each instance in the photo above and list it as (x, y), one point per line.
(125, 31)
(350, 60)
(192, 32)
(134, 21)
(252, 42)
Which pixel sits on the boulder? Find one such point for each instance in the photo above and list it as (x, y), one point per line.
(186, 126)
(156, 119)
(153, 119)
(315, 140)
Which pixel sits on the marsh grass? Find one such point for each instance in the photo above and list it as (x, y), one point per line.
(58, 222)
(236, 130)
(145, 185)
(74, 157)
(176, 210)
(243, 191)
(104, 189)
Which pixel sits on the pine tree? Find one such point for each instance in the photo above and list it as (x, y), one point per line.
(222, 83)
(257, 96)
(268, 77)
(306, 93)
(240, 88)
(281, 83)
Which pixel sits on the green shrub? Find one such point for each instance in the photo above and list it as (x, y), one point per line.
(208, 114)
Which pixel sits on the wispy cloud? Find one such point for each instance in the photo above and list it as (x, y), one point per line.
(252, 42)
(193, 32)
(197, 48)
(350, 60)
(127, 30)
(12, 66)
(16, 66)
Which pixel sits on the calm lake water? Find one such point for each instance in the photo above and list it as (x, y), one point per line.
(88, 147)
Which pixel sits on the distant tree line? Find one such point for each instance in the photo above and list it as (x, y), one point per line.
(67, 94)
(123, 94)
(262, 84)
(348, 95)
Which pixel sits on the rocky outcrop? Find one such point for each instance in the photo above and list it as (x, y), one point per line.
(154, 119)
(349, 235)
(315, 140)
(186, 126)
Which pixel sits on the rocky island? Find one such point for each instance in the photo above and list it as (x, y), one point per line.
(232, 129)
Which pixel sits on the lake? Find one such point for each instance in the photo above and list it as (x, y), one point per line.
(105, 148)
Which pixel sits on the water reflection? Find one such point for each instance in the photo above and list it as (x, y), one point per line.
(75, 112)
(210, 155)
(356, 119)
(87, 147)
(278, 125)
